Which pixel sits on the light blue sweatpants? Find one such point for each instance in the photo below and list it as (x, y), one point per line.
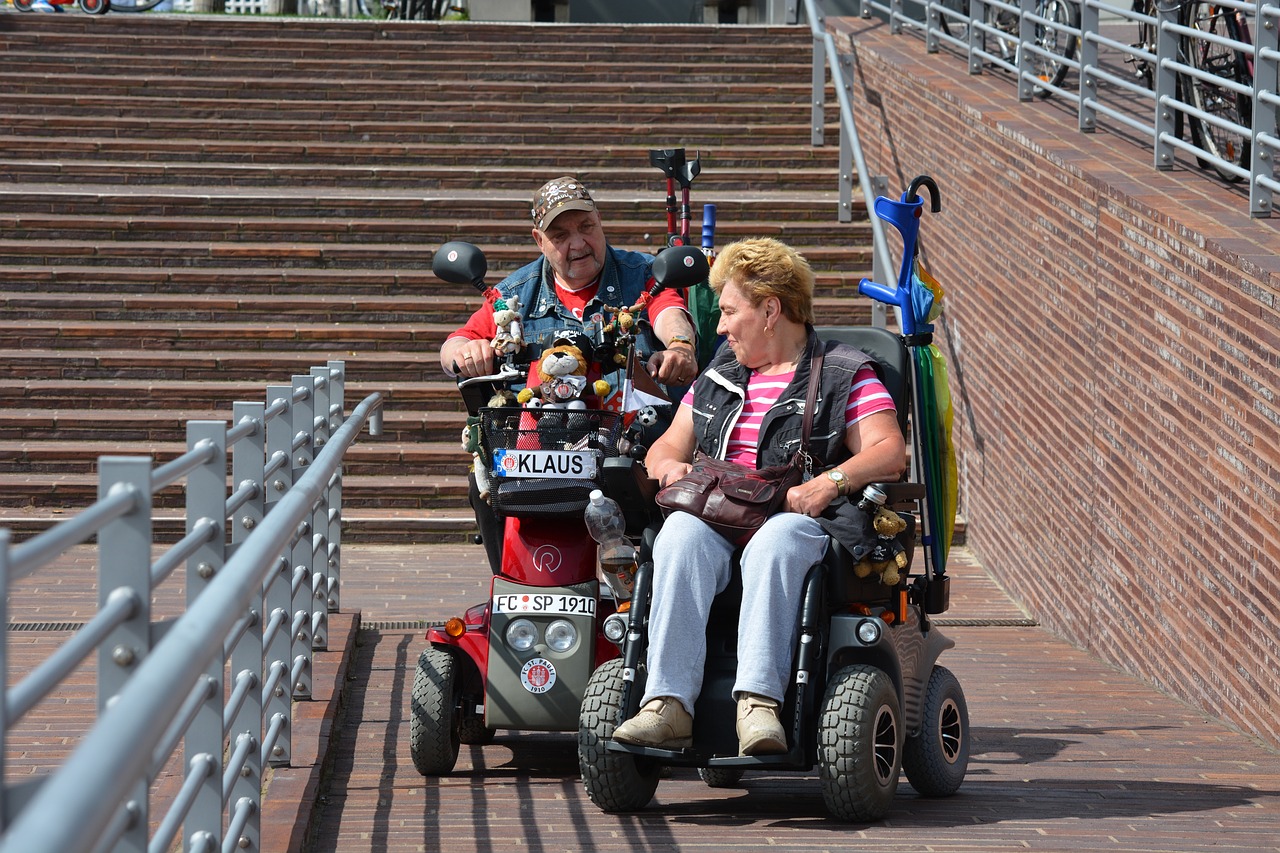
(691, 565)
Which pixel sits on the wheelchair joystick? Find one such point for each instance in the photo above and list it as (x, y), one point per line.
(873, 497)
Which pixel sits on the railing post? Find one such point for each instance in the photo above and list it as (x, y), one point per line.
(846, 154)
(1266, 61)
(247, 466)
(320, 518)
(1026, 35)
(818, 113)
(303, 551)
(1166, 82)
(895, 17)
(207, 504)
(977, 12)
(277, 608)
(124, 568)
(931, 18)
(1087, 119)
(4, 672)
(337, 408)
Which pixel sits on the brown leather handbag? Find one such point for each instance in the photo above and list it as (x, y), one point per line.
(735, 501)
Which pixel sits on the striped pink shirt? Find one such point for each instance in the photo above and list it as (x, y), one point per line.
(867, 395)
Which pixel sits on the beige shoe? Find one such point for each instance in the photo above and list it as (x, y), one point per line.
(661, 723)
(760, 731)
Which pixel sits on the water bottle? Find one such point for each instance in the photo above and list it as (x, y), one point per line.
(617, 555)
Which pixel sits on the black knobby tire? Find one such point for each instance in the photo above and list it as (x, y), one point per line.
(615, 781)
(434, 724)
(937, 759)
(473, 732)
(720, 777)
(1217, 100)
(860, 744)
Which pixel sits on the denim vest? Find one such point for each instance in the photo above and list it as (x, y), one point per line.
(720, 393)
(622, 282)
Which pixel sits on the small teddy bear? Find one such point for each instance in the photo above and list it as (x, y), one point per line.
(562, 377)
(888, 557)
(506, 316)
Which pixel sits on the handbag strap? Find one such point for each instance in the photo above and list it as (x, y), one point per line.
(811, 399)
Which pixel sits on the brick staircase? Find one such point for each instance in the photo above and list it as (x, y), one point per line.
(192, 208)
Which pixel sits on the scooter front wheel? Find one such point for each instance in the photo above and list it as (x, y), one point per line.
(615, 781)
(434, 725)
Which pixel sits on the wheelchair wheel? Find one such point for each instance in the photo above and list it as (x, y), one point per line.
(434, 727)
(860, 744)
(615, 781)
(720, 777)
(935, 760)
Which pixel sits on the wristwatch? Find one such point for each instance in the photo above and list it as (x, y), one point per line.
(837, 476)
(680, 339)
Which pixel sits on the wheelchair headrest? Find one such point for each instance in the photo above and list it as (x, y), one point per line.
(886, 348)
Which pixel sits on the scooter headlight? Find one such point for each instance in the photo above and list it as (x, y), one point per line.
(521, 635)
(561, 635)
(615, 627)
(869, 631)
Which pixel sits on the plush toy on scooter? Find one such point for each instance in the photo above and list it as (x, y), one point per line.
(561, 375)
(506, 316)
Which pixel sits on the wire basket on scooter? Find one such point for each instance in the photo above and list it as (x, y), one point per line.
(544, 462)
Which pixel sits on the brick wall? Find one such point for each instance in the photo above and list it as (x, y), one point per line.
(1114, 343)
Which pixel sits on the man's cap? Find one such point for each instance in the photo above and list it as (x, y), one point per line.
(556, 196)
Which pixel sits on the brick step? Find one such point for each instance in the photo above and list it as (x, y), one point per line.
(441, 131)
(161, 311)
(216, 365)
(367, 457)
(148, 335)
(209, 255)
(298, 283)
(421, 231)
(567, 158)
(507, 207)
(212, 398)
(248, 33)
(58, 170)
(137, 83)
(404, 424)
(390, 492)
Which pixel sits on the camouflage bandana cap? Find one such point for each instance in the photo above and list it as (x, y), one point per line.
(556, 196)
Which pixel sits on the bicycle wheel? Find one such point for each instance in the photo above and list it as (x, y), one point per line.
(1057, 40)
(957, 26)
(1229, 64)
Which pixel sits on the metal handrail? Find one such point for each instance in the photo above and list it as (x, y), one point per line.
(1164, 100)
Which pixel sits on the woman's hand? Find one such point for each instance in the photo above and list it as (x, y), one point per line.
(813, 497)
(668, 473)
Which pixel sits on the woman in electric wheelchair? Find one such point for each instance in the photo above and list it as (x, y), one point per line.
(748, 408)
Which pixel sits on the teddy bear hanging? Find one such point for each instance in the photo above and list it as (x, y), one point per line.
(561, 380)
(888, 558)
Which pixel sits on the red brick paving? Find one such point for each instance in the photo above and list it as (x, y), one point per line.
(1068, 753)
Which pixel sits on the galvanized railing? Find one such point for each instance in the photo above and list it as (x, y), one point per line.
(1137, 64)
(221, 678)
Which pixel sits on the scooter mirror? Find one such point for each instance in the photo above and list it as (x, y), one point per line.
(460, 263)
(680, 267)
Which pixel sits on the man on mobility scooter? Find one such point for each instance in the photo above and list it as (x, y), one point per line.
(816, 663)
(521, 659)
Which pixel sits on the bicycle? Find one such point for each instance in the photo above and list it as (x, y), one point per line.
(1227, 63)
(1055, 38)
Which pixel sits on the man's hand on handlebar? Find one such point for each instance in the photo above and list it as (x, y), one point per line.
(472, 358)
(674, 366)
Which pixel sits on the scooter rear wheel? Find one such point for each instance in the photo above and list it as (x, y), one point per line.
(434, 725)
(937, 759)
(615, 781)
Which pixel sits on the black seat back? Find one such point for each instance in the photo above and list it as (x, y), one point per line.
(887, 348)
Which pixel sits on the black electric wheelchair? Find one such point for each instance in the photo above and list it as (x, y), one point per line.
(867, 700)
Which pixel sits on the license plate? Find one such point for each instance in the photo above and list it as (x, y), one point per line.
(553, 464)
(544, 604)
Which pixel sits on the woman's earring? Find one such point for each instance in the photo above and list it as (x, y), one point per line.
(768, 333)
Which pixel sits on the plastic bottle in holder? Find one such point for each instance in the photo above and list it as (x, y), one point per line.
(617, 555)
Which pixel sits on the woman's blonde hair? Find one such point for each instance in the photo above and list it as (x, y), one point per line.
(764, 267)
